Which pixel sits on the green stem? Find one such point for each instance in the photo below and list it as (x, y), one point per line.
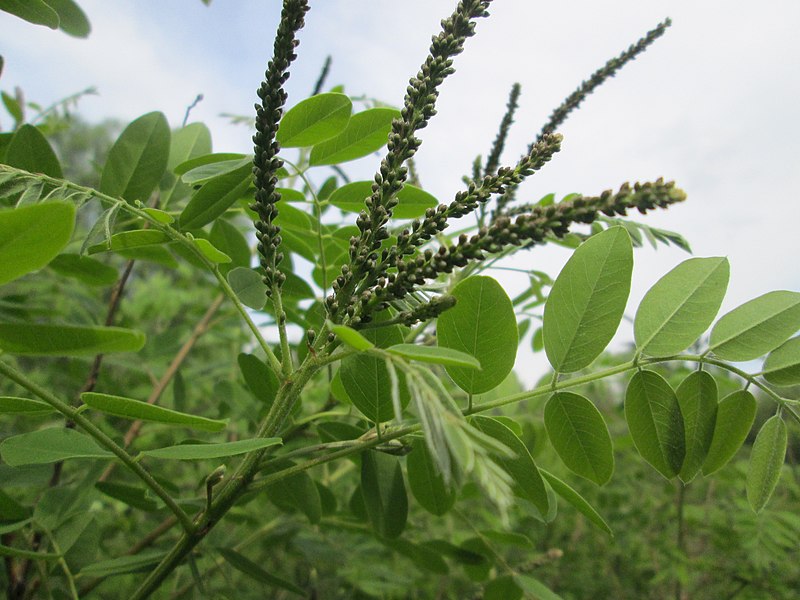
(105, 441)
(280, 318)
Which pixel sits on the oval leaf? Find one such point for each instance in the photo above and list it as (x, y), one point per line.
(577, 501)
(48, 446)
(521, 467)
(782, 366)
(206, 172)
(186, 143)
(436, 355)
(246, 566)
(12, 405)
(366, 379)
(366, 132)
(427, 483)
(66, 340)
(215, 197)
(587, 300)
(482, 324)
(351, 337)
(384, 493)
(129, 408)
(680, 306)
(138, 159)
(83, 268)
(757, 326)
(208, 250)
(71, 19)
(37, 12)
(412, 201)
(249, 287)
(697, 397)
(260, 379)
(32, 236)
(735, 415)
(766, 460)
(580, 436)
(297, 492)
(314, 120)
(207, 451)
(655, 422)
(29, 150)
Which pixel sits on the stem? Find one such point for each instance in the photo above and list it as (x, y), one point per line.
(105, 441)
(680, 541)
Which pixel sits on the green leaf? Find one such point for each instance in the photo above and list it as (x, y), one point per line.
(482, 324)
(366, 132)
(207, 451)
(522, 468)
(655, 422)
(384, 493)
(129, 408)
(735, 415)
(423, 557)
(11, 405)
(83, 268)
(426, 482)
(366, 379)
(129, 240)
(436, 355)
(502, 588)
(766, 460)
(580, 436)
(26, 554)
(72, 20)
(782, 367)
(251, 569)
(206, 159)
(314, 120)
(30, 151)
(206, 172)
(229, 240)
(697, 397)
(138, 159)
(128, 494)
(297, 492)
(32, 236)
(215, 197)
(260, 379)
(680, 306)
(757, 326)
(210, 252)
(34, 11)
(48, 446)
(413, 201)
(186, 143)
(144, 561)
(533, 588)
(576, 500)
(249, 287)
(351, 337)
(67, 340)
(587, 300)
(15, 110)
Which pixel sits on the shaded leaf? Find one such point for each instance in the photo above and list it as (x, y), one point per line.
(412, 201)
(766, 460)
(37, 12)
(576, 500)
(67, 340)
(697, 397)
(48, 446)
(11, 405)
(436, 355)
(30, 151)
(427, 483)
(587, 300)
(248, 286)
(534, 588)
(138, 159)
(757, 326)
(251, 569)
(782, 366)
(384, 493)
(260, 379)
(482, 324)
(580, 436)
(129, 408)
(186, 143)
(680, 306)
(71, 19)
(655, 422)
(735, 415)
(137, 563)
(32, 236)
(128, 494)
(216, 196)
(83, 268)
(297, 492)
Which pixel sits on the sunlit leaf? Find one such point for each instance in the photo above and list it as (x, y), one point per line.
(67, 340)
(30, 151)
(782, 366)
(580, 436)
(32, 236)
(12, 405)
(655, 422)
(412, 201)
(436, 355)
(129, 408)
(351, 337)
(680, 306)
(481, 324)
(766, 460)
(757, 326)
(587, 300)
(365, 133)
(314, 120)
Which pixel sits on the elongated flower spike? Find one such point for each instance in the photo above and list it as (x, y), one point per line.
(266, 163)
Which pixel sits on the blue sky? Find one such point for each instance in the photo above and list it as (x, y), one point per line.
(713, 104)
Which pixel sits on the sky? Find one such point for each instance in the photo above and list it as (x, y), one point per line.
(712, 104)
